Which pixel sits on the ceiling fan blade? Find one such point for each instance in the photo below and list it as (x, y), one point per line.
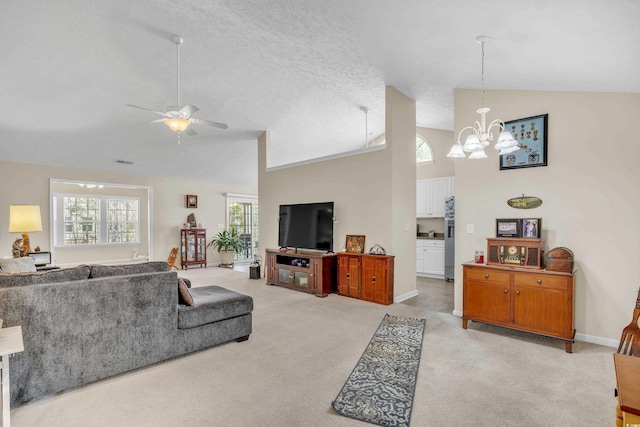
(189, 109)
(209, 123)
(190, 131)
(147, 109)
(150, 122)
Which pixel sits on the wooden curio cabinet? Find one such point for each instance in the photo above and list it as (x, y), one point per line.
(193, 243)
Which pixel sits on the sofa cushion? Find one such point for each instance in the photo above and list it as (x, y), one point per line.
(212, 304)
(122, 270)
(184, 297)
(42, 277)
(17, 265)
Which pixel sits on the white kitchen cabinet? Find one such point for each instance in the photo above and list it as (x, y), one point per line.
(430, 258)
(430, 196)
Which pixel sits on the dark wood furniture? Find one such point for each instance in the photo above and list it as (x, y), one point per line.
(194, 247)
(516, 252)
(304, 271)
(366, 277)
(538, 301)
(627, 374)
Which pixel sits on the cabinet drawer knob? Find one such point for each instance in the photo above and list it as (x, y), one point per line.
(373, 279)
(506, 291)
(517, 292)
(486, 276)
(348, 275)
(539, 281)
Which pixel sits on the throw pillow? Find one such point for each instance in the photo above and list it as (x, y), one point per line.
(184, 296)
(17, 265)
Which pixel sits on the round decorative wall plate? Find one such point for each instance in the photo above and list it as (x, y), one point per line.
(524, 202)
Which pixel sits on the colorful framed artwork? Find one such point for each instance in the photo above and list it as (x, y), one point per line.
(355, 244)
(531, 227)
(192, 201)
(531, 134)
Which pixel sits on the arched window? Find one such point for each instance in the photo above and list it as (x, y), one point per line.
(424, 154)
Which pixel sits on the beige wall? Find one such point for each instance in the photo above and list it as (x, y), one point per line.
(442, 165)
(29, 184)
(361, 186)
(589, 191)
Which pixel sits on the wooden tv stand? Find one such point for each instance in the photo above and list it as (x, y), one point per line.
(310, 272)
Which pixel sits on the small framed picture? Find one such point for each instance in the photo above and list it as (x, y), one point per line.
(531, 227)
(192, 201)
(508, 227)
(355, 244)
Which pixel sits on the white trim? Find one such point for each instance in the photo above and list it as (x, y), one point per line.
(607, 342)
(330, 157)
(406, 296)
(592, 339)
(431, 276)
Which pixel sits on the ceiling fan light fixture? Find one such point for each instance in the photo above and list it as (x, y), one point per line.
(177, 124)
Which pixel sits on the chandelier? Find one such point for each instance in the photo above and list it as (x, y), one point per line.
(481, 134)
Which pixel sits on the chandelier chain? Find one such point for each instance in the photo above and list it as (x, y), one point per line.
(482, 72)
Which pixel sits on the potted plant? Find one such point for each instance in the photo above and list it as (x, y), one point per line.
(227, 243)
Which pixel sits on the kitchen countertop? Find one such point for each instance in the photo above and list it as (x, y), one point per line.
(425, 236)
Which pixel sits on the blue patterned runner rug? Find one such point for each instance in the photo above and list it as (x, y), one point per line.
(381, 387)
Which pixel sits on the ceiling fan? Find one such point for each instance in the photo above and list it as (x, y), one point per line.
(179, 118)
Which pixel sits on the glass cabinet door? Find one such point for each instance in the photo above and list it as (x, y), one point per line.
(283, 275)
(301, 279)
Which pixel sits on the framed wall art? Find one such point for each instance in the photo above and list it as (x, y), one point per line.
(531, 134)
(192, 201)
(508, 227)
(355, 244)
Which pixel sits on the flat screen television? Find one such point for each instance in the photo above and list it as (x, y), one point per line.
(306, 226)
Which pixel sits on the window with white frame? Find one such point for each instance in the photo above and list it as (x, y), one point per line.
(424, 154)
(95, 220)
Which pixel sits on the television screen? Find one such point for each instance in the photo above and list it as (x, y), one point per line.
(306, 226)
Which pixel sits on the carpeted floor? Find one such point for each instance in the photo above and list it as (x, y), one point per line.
(303, 349)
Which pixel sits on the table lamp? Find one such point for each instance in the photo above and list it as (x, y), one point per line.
(24, 219)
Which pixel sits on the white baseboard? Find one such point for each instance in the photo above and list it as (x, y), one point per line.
(406, 296)
(607, 342)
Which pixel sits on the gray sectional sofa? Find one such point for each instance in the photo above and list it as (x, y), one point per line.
(87, 323)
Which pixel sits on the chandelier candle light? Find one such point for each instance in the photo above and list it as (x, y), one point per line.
(480, 132)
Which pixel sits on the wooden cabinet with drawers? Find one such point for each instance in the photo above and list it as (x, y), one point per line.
(534, 301)
(366, 277)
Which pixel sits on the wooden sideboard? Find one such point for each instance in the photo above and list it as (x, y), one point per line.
(536, 301)
(366, 277)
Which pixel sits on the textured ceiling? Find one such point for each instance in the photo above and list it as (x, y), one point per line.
(298, 68)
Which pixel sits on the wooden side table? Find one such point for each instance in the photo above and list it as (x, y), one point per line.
(627, 374)
(10, 342)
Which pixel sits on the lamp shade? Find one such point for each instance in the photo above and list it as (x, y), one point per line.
(177, 124)
(24, 219)
(480, 154)
(456, 150)
(472, 144)
(506, 141)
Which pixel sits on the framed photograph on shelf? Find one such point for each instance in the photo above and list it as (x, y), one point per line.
(355, 244)
(531, 134)
(531, 227)
(192, 201)
(508, 227)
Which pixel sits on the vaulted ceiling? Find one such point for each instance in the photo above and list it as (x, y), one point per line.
(298, 68)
